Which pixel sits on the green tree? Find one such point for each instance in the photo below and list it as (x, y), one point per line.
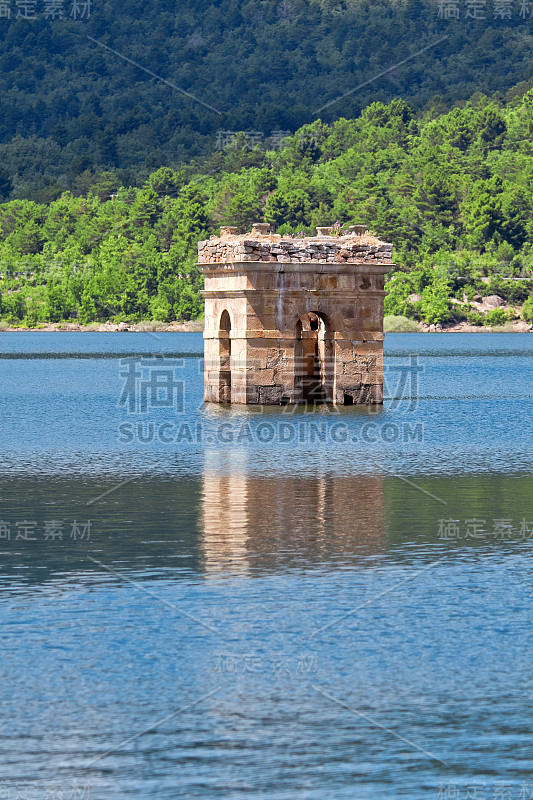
(292, 208)
(57, 307)
(434, 305)
(242, 210)
(527, 310)
(399, 287)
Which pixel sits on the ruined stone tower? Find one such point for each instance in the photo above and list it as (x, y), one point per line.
(290, 320)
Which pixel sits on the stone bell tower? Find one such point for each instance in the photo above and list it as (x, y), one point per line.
(290, 320)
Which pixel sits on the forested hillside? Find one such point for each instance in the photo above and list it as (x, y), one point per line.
(452, 191)
(71, 108)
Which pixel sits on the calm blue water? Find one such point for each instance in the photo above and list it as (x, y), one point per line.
(213, 602)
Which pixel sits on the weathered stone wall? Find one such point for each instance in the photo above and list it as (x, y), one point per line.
(270, 305)
(352, 249)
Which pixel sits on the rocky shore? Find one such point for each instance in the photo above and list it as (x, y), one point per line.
(194, 326)
(197, 326)
(518, 326)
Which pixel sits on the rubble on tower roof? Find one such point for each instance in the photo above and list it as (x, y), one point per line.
(356, 247)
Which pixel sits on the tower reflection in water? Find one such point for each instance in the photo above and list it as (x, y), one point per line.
(267, 522)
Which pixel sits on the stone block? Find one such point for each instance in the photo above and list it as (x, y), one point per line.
(352, 371)
(372, 378)
(270, 395)
(261, 377)
(274, 356)
(251, 395)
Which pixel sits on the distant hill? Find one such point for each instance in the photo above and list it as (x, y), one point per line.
(70, 107)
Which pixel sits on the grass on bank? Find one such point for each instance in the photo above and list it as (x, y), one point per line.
(399, 324)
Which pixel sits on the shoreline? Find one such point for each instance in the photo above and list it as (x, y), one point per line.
(197, 326)
(194, 326)
(518, 326)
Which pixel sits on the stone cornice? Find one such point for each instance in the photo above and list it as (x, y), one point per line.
(296, 293)
(319, 267)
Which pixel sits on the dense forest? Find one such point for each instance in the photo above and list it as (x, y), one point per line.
(79, 96)
(452, 189)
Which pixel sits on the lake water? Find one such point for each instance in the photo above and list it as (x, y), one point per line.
(215, 602)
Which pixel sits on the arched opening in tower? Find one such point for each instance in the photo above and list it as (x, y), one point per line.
(224, 334)
(313, 360)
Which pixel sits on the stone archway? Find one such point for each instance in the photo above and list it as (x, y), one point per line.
(224, 339)
(313, 359)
